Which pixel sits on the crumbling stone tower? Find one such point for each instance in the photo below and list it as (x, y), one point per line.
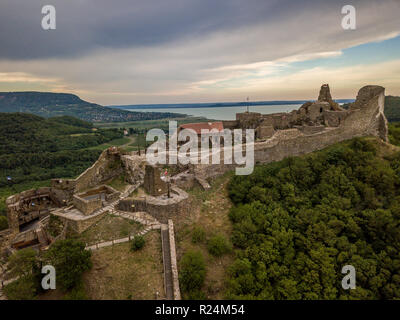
(152, 181)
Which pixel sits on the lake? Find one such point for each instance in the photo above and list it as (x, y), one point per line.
(222, 113)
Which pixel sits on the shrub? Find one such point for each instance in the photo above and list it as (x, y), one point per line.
(22, 289)
(137, 243)
(22, 262)
(196, 295)
(55, 226)
(192, 271)
(334, 206)
(71, 260)
(218, 246)
(198, 235)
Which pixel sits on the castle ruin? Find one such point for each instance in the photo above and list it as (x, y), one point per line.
(81, 202)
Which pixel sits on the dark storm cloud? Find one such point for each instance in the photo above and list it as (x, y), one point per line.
(125, 51)
(91, 24)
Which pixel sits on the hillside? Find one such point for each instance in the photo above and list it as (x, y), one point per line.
(297, 222)
(35, 149)
(46, 104)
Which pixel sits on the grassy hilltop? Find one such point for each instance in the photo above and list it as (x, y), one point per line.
(47, 104)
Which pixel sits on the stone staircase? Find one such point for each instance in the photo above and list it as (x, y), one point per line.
(143, 218)
(140, 217)
(122, 240)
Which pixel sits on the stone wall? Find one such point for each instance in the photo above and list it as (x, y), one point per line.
(87, 207)
(311, 129)
(265, 132)
(334, 118)
(174, 266)
(161, 209)
(134, 167)
(27, 206)
(366, 118)
(230, 124)
(5, 237)
(152, 181)
(81, 224)
(62, 190)
(185, 180)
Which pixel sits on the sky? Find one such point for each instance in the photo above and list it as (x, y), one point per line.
(176, 51)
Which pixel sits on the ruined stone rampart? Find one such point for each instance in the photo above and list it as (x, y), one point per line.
(314, 126)
(27, 206)
(365, 118)
(108, 166)
(161, 209)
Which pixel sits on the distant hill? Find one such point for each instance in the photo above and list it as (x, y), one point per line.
(392, 108)
(47, 104)
(33, 148)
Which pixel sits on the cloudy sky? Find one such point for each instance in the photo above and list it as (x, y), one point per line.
(173, 51)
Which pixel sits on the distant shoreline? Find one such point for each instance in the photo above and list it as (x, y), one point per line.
(217, 104)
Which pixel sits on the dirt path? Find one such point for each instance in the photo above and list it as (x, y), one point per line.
(132, 139)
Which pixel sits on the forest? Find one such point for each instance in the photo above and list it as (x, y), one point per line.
(297, 222)
(34, 150)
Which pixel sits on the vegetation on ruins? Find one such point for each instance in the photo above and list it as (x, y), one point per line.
(192, 273)
(23, 265)
(34, 150)
(3, 223)
(297, 222)
(137, 243)
(22, 262)
(198, 235)
(21, 289)
(71, 260)
(55, 226)
(218, 245)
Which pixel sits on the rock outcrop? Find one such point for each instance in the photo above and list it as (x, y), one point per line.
(325, 96)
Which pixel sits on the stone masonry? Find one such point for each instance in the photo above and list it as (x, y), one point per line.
(153, 183)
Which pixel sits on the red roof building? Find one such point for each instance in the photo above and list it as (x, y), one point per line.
(197, 127)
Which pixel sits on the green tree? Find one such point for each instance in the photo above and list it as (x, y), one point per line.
(137, 243)
(297, 222)
(218, 246)
(70, 260)
(192, 272)
(22, 262)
